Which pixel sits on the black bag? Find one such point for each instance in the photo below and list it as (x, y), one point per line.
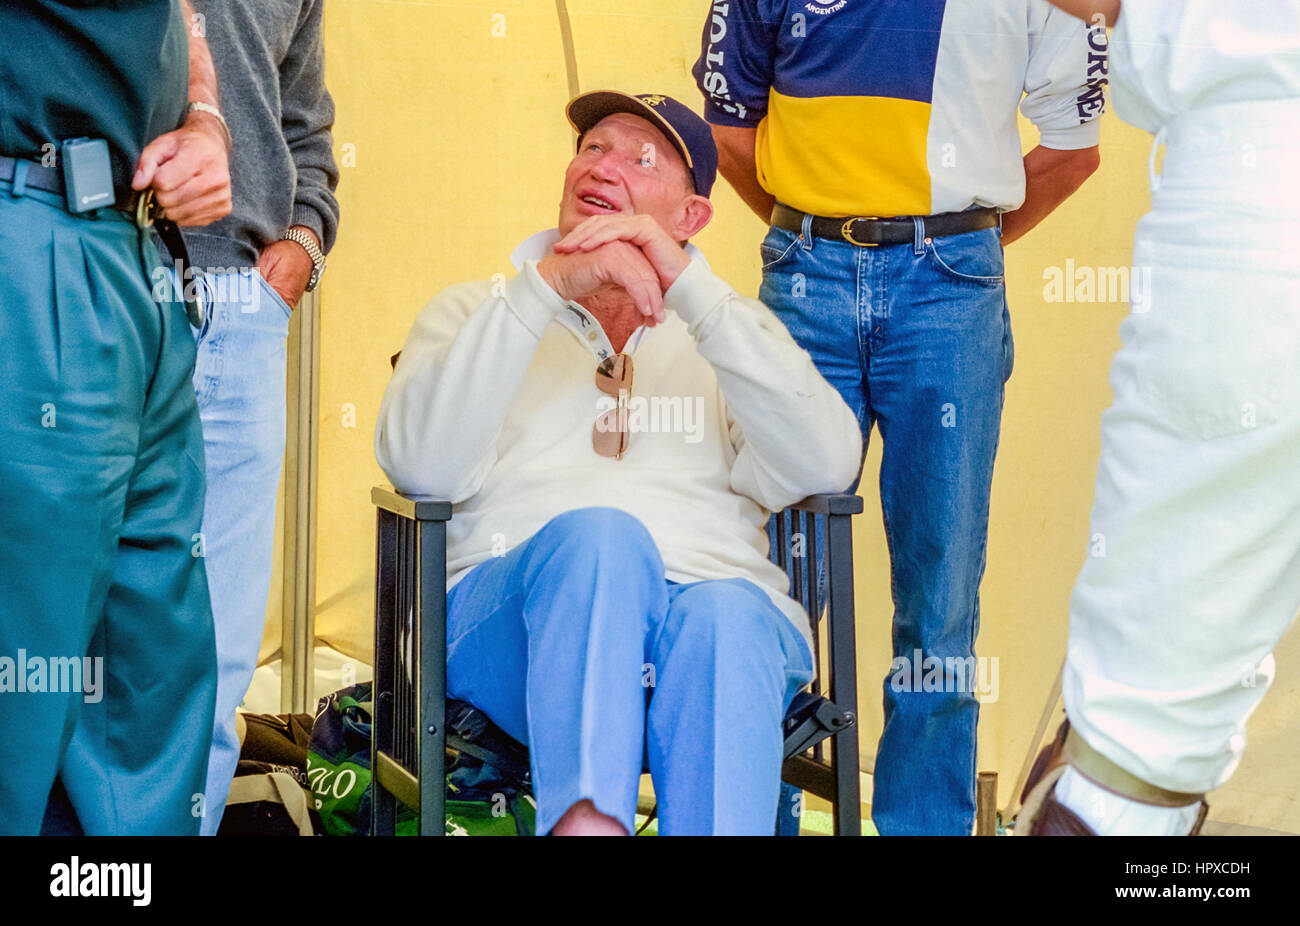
(269, 796)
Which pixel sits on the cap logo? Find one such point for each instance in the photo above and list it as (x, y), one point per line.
(653, 99)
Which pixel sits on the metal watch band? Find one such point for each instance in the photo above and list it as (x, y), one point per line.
(198, 107)
(314, 252)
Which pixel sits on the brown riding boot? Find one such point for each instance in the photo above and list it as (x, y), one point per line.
(1041, 814)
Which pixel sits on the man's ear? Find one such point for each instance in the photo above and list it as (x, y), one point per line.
(697, 211)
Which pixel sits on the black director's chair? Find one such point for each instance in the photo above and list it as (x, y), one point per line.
(417, 729)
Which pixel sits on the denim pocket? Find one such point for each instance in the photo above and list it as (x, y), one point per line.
(776, 246)
(285, 308)
(971, 257)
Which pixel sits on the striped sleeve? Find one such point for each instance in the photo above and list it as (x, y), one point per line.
(737, 50)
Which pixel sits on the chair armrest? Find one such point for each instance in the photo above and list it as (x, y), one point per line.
(408, 736)
(840, 715)
(415, 507)
(830, 503)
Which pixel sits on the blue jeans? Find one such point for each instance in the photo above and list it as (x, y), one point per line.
(239, 383)
(917, 339)
(575, 644)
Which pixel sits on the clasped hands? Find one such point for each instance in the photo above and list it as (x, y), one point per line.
(617, 257)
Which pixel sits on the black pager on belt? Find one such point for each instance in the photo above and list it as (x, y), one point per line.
(87, 174)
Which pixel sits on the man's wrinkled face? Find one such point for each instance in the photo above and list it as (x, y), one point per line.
(626, 165)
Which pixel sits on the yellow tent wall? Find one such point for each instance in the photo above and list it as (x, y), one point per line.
(452, 141)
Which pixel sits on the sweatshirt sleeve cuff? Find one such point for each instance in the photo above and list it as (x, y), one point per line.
(308, 217)
(696, 293)
(532, 299)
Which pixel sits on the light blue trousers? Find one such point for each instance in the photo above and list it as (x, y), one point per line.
(575, 644)
(239, 384)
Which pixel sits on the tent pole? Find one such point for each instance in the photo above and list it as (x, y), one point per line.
(298, 591)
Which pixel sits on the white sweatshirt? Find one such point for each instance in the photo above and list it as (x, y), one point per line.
(493, 401)
(1171, 57)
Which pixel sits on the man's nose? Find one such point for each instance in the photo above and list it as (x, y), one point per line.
(606, 167)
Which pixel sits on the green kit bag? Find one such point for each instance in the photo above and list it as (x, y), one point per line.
(480, 802)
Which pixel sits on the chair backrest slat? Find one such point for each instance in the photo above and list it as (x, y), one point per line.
(797, 536)
(777, 555)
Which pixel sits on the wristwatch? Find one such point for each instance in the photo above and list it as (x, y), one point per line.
(198, 107)
(309, 245)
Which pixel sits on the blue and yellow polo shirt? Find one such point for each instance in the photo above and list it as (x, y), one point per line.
(900, 107)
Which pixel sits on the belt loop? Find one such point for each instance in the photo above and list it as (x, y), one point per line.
(19, 183)
(918, 235)
(805, 232)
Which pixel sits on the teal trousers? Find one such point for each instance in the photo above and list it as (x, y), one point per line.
(107, 659)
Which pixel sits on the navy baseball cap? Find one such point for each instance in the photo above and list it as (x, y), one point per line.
(689, 133)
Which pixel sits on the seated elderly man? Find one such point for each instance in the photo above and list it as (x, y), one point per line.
(610, 599)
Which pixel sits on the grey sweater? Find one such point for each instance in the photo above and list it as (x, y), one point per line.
(271, 76)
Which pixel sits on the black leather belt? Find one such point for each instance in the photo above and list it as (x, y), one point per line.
(50, 180)
(39, 177)
(139, 204)
(869, 231)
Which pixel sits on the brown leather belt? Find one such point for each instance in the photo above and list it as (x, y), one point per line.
(869, 231)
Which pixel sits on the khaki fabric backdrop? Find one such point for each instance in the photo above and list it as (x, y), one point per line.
(452, 143)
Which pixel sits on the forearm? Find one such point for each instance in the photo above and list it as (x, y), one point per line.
(737, 163)
(794, 434)
(1051, 177)
(188, 168)
(203, 73)
(1088, 10)
(458, 375)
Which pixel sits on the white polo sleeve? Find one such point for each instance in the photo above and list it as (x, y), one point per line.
(1066, 77)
